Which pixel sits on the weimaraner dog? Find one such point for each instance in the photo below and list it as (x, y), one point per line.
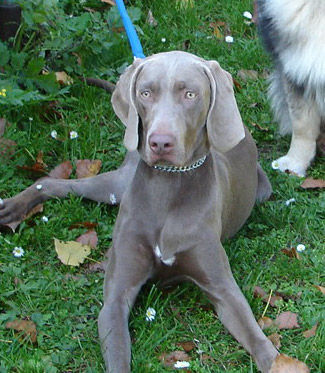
(190, 180)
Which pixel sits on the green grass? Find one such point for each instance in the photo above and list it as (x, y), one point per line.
(65, 302)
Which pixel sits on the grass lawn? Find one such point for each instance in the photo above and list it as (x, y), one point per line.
(64, 301)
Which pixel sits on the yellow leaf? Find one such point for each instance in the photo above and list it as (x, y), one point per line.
(63, 78)
(71, 253)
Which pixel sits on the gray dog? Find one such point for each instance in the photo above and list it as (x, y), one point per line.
(190, 180)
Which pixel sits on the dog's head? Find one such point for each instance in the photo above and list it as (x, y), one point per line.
(175, 106)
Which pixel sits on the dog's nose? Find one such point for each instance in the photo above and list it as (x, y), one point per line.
(161, 144)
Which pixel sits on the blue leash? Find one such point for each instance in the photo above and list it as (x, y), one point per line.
(130, 31)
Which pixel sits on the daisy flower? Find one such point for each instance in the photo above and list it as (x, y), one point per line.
(181, 364)
(54, 134)
(18, 252)
(150, 314)
(300, 248)
(229, 39)
(73, 135)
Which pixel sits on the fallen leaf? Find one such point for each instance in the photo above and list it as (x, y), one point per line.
(291, 252)
(3, 123)
(258, 292)
(217, 27)
(63, 78)
(287, 320)
(187, 345)
(151, 20)
(320, 288)
(26, 327)
(62, 171)
(286, 364)
(259, 127)
(311, 332)
(265, 322)
(85, 224)
(171, 358)
(38, 167)
(71, 252)
(246, 75)
(87, 168)
(89, 238)
(275, 338)
(311, 183)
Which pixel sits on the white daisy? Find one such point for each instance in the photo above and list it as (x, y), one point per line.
(54, 134)
(39, 186)
(112, 199)
(248, 15)
(1, 202)
(229, 39)
(275, 165)
(150, 314)
(18, 252)
(45, 219)
(163, 40)
(300, 248)
(73, 135)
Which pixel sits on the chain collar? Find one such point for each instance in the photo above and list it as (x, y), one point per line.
(191, 167)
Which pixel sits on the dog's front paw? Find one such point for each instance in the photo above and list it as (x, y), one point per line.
(287, 364)
(12, 210)
(291, 165)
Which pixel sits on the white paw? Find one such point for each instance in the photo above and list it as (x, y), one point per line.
(291, 165)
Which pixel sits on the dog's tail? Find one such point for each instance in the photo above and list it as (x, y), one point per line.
(279, 103)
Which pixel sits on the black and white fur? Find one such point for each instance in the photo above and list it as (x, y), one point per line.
(293, 32)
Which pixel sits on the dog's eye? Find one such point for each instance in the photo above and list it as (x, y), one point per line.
(145, 94)
(190, 95)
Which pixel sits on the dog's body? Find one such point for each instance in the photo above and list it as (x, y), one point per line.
(293, 32)
(190, 179)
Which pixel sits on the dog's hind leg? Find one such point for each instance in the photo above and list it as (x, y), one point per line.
(305, 119)
(107, 187)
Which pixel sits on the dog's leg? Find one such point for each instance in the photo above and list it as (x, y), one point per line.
(264, 187)
(107, 187)
(128, 269)
(210, 270)
(305, 118)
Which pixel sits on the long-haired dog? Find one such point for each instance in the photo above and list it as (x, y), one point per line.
(293, 32)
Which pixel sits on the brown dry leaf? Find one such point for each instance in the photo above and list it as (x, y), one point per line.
(38, 167)
(256, 125)
(26, 327)
(187, 345)
(89, 238)
(265, 322)
(3, 123)
(169, 359)
(286, 364)
(291, 252)
(258, 292)
(85, 224)
(87, 168)
(217, 29)
(320, 288)
(71, 252)
(35, 210)
(246, 75)
(311, 332)
(275, 338)
(311, 183)
(62, 171)
(287, 320)
(151, 20)
(63, 78)
(97, 267)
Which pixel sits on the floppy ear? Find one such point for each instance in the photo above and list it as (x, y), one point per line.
(124, 104)
(224, 124)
